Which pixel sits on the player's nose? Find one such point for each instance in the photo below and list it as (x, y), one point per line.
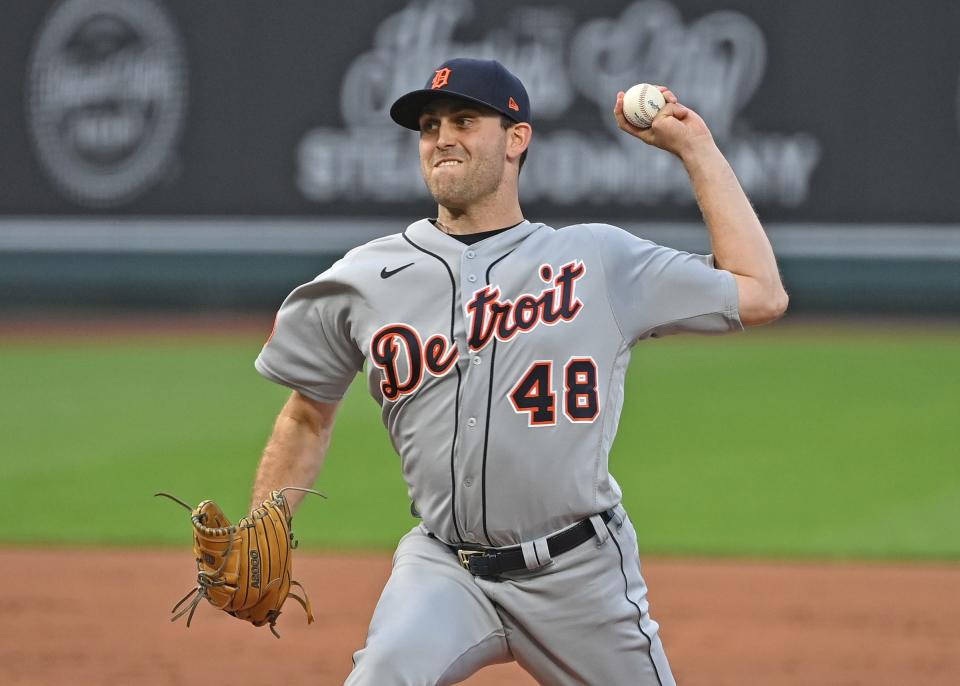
(446, 135)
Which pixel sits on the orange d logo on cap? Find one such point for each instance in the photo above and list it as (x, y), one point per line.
(442, 78)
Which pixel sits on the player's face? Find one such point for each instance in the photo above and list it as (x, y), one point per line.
(462, 152)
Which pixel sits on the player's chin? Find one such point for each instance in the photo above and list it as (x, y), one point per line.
(446, 193)
(452, 201)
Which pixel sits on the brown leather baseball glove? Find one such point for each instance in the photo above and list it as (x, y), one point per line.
(244, 568)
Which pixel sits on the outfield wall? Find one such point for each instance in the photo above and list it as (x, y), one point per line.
(253, 263)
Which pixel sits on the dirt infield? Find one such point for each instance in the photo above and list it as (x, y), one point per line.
(100, 618)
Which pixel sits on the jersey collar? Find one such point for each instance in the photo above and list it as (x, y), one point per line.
(429, 237)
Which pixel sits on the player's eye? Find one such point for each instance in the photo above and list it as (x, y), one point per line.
(428, 125)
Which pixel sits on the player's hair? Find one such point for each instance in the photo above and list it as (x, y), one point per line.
(506, 122)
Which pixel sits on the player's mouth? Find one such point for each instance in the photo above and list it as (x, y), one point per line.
(447, 162)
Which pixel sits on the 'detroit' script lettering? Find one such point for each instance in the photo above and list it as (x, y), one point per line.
(399, 346)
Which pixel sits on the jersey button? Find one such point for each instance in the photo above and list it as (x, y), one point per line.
(472, 278)
(477, 361)
(468, 482)
(472, 422)
(471, 254)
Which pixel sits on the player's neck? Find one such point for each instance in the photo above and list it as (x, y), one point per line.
(477, 219)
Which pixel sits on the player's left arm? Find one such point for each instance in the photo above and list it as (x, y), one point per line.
(296, 450)
(738, 241)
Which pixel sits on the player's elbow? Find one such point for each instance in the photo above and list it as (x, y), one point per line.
(771, 308)
(762, 305)
(779, 301)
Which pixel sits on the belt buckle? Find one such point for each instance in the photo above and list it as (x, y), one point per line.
(465, 556)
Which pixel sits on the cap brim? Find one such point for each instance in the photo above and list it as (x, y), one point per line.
(407, 109)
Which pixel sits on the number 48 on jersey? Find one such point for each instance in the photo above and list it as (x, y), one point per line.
(535, 394)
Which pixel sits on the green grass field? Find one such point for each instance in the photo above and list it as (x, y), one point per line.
(827, 441)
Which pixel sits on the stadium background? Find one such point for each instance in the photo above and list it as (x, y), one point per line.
(171, 169)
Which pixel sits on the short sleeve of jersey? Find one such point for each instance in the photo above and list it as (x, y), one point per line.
(658, 291)
(311, 348)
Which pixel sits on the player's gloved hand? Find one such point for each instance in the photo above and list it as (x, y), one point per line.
(243, 569)
(676, 128)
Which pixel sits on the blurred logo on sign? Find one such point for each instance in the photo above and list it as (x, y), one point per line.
(106, 96)
(572, 69)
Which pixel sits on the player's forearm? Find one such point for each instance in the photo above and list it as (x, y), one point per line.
(296, 450)
(738, 241)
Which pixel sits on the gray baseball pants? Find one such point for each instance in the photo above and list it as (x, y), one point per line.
(582, 619)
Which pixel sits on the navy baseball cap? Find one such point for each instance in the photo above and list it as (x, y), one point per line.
(485, 82)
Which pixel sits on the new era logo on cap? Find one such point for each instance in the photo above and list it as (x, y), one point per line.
(484, 82)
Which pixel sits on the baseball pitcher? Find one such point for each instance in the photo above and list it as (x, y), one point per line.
(496, 348)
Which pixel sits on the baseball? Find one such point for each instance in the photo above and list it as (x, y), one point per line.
(641, 103)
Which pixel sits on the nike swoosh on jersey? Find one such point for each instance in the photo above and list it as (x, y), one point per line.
(385, 274)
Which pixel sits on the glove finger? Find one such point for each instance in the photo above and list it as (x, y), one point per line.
(210, 515)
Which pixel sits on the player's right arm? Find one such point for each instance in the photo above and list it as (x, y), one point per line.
(297, 448)
(738, 241)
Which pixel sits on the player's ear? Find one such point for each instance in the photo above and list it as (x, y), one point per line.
(518, 140)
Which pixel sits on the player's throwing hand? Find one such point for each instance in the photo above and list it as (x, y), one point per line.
(676, 128)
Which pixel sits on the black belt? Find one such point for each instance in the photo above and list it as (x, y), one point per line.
(481, 561)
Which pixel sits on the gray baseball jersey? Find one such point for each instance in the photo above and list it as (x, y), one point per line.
(499, 366)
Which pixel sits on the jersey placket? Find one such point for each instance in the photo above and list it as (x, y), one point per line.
(473, 407)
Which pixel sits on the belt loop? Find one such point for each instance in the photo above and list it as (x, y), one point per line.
(536, 554)
(615, 515)
(600, 529)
